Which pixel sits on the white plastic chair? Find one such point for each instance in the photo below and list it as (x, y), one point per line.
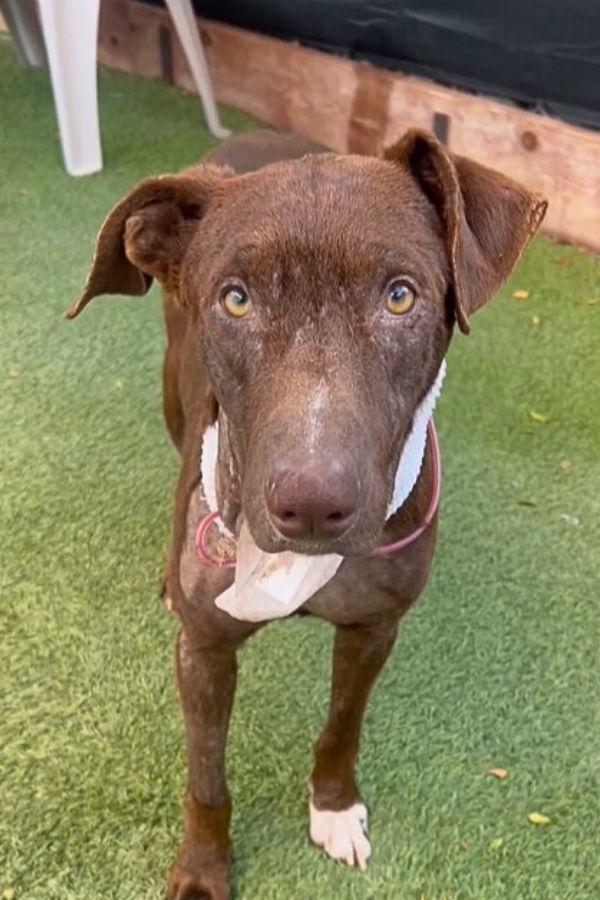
(70, 33)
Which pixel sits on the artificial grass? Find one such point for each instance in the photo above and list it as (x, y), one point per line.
(498, 665)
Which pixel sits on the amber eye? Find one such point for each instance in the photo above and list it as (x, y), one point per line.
(235, 301)
(399, 297)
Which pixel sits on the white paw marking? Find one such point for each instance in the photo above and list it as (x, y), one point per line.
(341, 834)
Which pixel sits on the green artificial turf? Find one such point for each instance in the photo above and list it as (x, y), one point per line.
(497, 666)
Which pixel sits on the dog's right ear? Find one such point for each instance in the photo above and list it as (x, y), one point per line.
(146, 234)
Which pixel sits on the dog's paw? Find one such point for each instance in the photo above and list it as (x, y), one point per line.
(211, 882)
(341, 834)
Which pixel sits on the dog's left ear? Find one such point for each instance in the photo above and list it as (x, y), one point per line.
(488, 219)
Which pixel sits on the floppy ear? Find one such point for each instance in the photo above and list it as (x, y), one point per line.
(488, 219)
(146, 234)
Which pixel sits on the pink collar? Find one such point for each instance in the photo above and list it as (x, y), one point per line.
(436, 478)
(228, 562)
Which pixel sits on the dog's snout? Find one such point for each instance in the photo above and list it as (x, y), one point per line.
(314, 500)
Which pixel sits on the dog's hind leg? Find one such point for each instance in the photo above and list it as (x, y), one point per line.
(338, 817)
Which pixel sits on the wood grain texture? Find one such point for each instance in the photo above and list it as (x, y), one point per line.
(353, 106)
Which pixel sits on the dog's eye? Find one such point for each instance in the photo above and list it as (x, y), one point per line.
(399, 297)
(235, 301)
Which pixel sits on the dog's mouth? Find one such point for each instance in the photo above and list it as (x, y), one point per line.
(354, 543)
(312, 510)
(311, 502)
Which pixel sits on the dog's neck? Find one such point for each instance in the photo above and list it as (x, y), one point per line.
(407, 472)
(413, 452)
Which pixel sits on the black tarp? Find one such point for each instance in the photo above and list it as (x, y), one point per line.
(542, 54)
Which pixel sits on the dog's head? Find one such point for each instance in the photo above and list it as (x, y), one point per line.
(322, 293)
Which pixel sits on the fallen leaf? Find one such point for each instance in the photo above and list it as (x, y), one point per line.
(594, 301)
(520, 295)
(497, 773)
(563, 261)
(565, 464)
(539, 819)
(9, 894)
(570, 520)
(462, 845)
(13, 373)
(535, 320)
(496, 843)
(537, 417)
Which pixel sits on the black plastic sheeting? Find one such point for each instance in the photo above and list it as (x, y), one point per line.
(541, 54)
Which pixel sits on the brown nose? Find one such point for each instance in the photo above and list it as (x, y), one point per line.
(313, 501)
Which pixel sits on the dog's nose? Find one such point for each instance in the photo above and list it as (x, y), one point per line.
(313, 501)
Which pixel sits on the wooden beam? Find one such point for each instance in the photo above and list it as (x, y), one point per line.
(353, 106)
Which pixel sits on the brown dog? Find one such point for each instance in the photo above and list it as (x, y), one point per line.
(309, 300)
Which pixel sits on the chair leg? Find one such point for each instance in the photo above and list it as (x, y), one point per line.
(184, 20)
(24, 28)
(70, 30)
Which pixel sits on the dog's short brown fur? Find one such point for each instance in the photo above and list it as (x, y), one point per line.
(314, 239)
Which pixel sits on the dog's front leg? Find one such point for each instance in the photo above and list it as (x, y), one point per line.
(206, 678)
(338, 817)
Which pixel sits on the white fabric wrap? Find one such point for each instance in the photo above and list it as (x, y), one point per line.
(273, 585)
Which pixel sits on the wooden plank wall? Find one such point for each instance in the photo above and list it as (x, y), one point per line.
(357, 107)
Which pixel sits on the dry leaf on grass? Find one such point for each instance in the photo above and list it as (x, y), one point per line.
(570, 520)
(565, 464)
(497, 773)
(8, 893)
(539, 819)
(496, 843)
(535, 320)
(520, 295)
(537, 417)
